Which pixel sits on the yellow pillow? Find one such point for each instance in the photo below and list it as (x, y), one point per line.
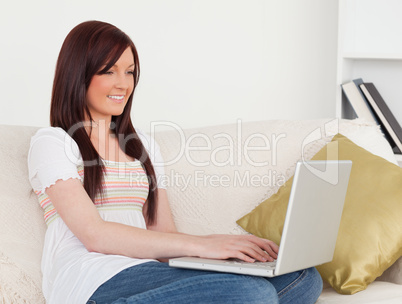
(370, 233)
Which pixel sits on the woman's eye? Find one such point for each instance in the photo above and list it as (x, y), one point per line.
(109, 72)
(130, 72)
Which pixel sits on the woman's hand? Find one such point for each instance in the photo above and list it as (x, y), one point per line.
(248, 248)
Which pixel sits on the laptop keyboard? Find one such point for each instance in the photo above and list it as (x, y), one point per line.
(237, 262)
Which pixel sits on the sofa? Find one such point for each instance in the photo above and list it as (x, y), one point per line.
(214, 176)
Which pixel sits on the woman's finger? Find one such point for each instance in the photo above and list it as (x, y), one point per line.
(270, 247)
(257, 253)
(244, 257)
(253, 250)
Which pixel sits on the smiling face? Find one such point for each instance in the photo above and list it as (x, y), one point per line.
(108, 93)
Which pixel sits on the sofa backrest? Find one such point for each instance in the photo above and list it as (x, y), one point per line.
(237, 166)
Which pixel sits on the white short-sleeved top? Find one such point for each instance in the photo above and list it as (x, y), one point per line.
(71, 274)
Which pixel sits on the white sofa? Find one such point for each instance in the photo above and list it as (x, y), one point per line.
(210, 186)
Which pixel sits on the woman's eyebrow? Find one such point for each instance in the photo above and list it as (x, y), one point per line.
(114, 66)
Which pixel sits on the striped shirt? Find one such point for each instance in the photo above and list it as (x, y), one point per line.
(125, 187)
(71, 273)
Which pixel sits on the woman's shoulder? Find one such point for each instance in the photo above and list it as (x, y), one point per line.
(55, 139)
(52, 155)
(51, 132)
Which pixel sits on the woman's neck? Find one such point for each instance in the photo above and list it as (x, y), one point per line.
(99, 129)
(104, 140)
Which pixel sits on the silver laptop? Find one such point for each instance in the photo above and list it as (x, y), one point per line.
(311, 224)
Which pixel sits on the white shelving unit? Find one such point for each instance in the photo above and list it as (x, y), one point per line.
(370, 47)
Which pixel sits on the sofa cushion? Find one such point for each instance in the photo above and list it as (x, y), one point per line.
(22, 228)
(370, 233)
(376, 292)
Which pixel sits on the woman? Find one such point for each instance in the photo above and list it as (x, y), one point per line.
(109, 223)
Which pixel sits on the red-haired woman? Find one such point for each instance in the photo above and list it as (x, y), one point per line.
(109, 222)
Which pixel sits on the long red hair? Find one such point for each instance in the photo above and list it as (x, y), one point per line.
(87, 48)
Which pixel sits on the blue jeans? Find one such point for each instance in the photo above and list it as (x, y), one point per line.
(154, 282)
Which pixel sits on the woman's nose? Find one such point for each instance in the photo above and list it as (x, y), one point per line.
(123, 81)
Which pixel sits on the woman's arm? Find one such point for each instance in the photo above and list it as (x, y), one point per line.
(81, 216)
(164, 219)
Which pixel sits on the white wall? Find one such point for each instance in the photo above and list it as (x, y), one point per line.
(203, 62)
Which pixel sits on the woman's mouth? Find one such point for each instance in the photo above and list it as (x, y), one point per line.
(116, 98)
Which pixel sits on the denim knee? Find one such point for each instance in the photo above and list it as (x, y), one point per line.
(315, 281)
(260, 290)
(305, 289)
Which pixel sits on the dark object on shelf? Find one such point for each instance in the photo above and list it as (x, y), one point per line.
(387, 119)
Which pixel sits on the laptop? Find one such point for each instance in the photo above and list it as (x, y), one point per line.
(311, 224)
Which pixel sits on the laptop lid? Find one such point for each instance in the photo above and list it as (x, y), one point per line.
(314, 213)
